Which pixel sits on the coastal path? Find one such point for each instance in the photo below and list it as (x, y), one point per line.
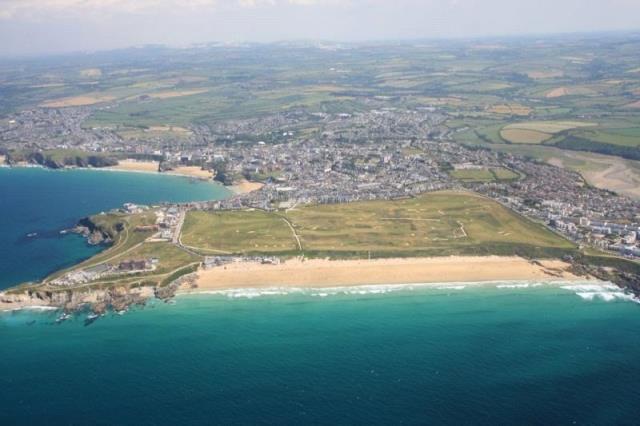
(293, 231)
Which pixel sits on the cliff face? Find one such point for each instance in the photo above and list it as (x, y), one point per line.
(59, 160)
(75, 161)
(99, 301)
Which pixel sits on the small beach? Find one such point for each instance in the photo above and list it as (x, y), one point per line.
(152, 167)
(335, 273)
(245, 186)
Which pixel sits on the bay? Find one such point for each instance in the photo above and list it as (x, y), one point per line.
(36, 204)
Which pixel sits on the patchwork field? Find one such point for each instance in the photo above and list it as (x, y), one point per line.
(559, 92)
(535, 132)
(544, 74)
(511, 109)
(83, 100)
(176, 93)
(435, 224)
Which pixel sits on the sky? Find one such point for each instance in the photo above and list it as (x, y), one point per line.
(34, 27)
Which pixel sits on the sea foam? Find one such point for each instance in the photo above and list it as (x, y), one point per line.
(605, 291)
(250, 293)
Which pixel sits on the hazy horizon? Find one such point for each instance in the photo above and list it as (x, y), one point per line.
(37, 27)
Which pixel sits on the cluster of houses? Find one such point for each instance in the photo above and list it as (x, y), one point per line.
(168, 220)
(104, 270)
(383, 153)
(215, 261)
(561, 199)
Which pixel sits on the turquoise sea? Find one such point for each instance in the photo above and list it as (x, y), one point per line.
(501, 353)
(537, 355)
(44, 202)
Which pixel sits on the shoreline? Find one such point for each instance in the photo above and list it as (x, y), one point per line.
(241, 187)
(129, 165)
(342, 276)
(592, 288)
(322, 273)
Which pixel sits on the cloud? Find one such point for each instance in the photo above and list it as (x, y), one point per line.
(32, 8)
(41, 8)
(258, 3)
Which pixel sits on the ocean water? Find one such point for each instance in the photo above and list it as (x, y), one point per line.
(502, 353)
(40, 201)
(505, 353)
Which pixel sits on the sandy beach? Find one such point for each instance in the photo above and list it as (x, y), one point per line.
(328, 273)
(192, 171)
(3, 159)
(152, 167)
(244, 186)
(136, 166)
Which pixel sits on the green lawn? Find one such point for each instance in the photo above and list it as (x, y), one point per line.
(238, 232)
(443, 223)
(484, 175)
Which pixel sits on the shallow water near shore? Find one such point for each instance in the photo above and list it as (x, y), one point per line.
(37, 203)
(501, 353)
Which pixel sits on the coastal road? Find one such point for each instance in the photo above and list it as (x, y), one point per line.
(178, 230)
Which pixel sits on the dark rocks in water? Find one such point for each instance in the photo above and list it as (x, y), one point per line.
(623, 273)
(167, 292)
(99, 308)
(90, 319)
(95, 234)
(165, 166)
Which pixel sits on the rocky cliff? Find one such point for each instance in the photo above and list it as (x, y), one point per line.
(97, 300)
(62, 159)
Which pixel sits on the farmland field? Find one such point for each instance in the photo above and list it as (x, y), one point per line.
(538, 132)
(524, 136)
(577, 93)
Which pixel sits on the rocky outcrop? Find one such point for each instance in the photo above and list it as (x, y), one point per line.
(167, 292)
(95, 234)
(623, 273)
(97, 300)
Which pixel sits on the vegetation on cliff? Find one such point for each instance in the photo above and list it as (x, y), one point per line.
(61, 158)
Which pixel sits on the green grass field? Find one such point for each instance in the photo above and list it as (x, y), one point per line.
(237, 232)
(473, 175)
(444, 223)
(484, 175)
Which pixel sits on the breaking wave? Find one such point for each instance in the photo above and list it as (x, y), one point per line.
(31, 308)
(605, 291)
(588, 291)
(250, 293)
